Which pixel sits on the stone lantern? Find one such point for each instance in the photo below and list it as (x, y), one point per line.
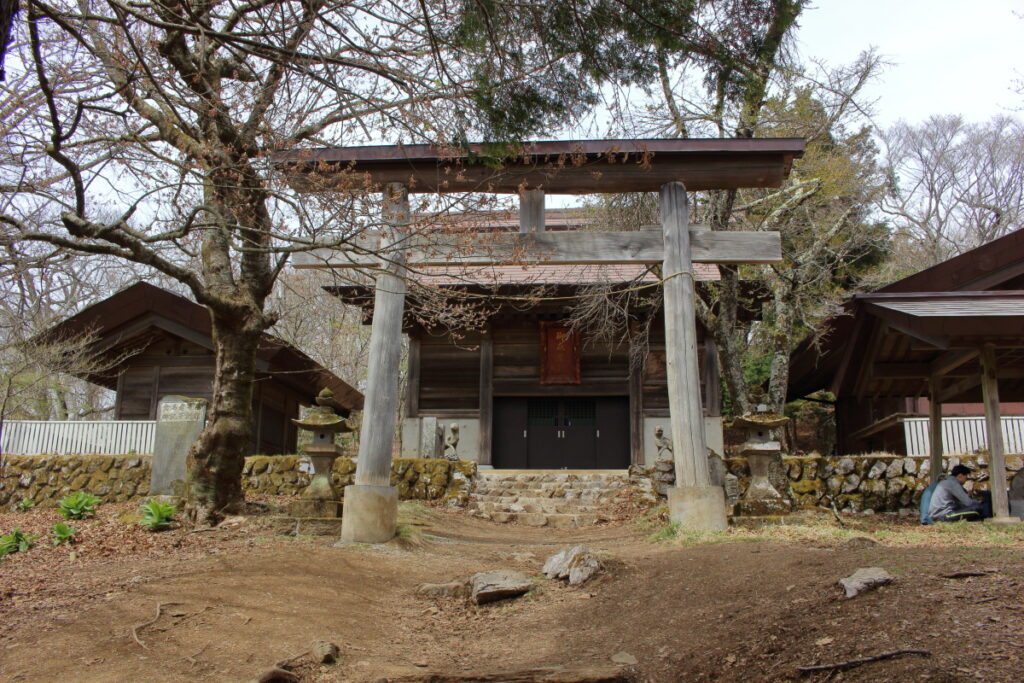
(320, 498)
(760, 450)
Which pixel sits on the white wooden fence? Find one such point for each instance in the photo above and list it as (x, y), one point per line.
(962, 435)
(111, 437)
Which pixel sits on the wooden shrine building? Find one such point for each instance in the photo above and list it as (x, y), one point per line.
(551, 399)
(152, 343)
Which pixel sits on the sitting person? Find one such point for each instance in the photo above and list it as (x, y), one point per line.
(951, 503)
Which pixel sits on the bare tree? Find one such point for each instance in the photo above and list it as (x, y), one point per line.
(752, 86)
(151, 126)
(952, 185)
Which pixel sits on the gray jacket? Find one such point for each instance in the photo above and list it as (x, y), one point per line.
(948, 497)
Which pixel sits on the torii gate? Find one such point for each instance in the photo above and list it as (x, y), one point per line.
(579, 167)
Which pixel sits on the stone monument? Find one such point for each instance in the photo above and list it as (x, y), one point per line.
(664, 472)
(451, 442)
(321, 499)
(179, 420)
(1017, 495)
(760, 449)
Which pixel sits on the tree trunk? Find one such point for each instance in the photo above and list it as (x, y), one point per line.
(782, 340)
(730, 353)
(216, 458)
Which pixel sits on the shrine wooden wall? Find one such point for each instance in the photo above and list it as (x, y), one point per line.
(445, 372)
(169, 366)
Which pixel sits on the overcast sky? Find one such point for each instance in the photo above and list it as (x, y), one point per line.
(949, 56)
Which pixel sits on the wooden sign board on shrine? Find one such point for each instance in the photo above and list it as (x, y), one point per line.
(670, 167)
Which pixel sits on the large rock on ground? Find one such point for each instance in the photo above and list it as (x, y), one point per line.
(498, 585)
(577, 564)
(865, 579)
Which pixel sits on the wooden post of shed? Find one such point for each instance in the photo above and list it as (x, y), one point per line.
(693, 503)
(371, 503)
(993, 424)
(934, 427)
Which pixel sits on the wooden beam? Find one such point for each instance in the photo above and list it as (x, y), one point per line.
(935, 427)
(951, 360)
(993, 425)
(531, 211)
(959, 387)
(686, 414)
(381, 405)
(551, 248)
(486, 398)
(901, 370)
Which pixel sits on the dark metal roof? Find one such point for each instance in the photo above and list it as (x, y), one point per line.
(569, 167)
(142, 306)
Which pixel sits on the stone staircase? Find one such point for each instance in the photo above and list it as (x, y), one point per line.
(557, 498)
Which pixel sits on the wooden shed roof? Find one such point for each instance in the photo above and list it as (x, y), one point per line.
(142, 307)
(888, 342)
(559, 167)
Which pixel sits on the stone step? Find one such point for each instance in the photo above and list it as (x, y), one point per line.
(555, 498)
(583, 497)
(538, 519)
(545, 506)
(540, 501)
(554, 485)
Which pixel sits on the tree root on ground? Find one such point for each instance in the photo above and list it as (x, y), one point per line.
(842, 666)
(135, 629)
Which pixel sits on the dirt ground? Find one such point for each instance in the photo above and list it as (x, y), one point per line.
(228, 604)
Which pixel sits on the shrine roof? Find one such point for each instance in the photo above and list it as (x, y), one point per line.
(134, 313)
(557, 167)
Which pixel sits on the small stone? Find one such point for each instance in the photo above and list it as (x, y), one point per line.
(851, 483)
(277, 675)
(577, 564)
(498, 585)
(624, 658)
(845, 466)
(421, 663)
(324, 652)
(865, 579)
(861, 542)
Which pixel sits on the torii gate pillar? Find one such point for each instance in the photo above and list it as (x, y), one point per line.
(694, 503)
(370, 513)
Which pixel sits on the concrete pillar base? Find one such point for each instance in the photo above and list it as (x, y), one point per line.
(370, 514)
(698, 507)
(1004, 521)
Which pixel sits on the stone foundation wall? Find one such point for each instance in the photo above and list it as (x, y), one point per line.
(48, 478)
(120, 478)
(879, 482)
(415, 478)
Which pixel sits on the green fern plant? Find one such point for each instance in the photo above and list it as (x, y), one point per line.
(26, 504)
(15, 542)
(78, 505)
(63, 533)
(157, 516)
